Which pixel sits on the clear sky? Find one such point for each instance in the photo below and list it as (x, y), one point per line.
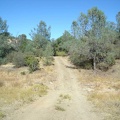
(24, 15)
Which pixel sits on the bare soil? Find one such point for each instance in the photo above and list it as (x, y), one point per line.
(65, 100)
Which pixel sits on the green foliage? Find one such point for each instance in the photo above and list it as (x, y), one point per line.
(96, 46)
(10, 56)
(41, 37)
(3, 26)
(5, 48)
(103, 66)
(59, 108)
(19, 59)
(32, 62)
(97, 21)
(41, 30)
(79, 55)
(60, 53)
(75, 29)
(63, 43)
(23, 73)
(83, 24)
(48, 53)
(29, 47)
(2, 83)
(2, 115)
(118, 21)
(22, 42)
(110, 59)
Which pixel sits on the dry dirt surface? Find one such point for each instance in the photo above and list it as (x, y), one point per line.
(64, 101)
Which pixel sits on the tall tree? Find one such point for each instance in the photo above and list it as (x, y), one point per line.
(97, 21)
(118, 21)
(42, 30)
(118, 35)
(3, 26)
(5, 47)
(22, 42)
(41, 37)
(75, 29)
(83, 24)
(97, 39)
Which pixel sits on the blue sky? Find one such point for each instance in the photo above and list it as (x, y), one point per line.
(24, 15)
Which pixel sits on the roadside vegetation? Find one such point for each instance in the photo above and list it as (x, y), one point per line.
(103, 89)
(19, 87)
(93, 43)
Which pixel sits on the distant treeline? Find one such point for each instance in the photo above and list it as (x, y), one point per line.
(93, 43)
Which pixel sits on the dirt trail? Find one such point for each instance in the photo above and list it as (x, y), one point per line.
(74, 107)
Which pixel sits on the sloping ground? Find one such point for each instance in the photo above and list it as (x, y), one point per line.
(65, 100)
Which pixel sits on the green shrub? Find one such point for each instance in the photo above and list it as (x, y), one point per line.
(103, 66)
(59, 108)
(11, 56)
(32, 62)
(48, 60)
(81, 61)
(60, 53)
(1, 83)
(23, 73)
(2, 115)
(110, 59)
(1, 61)
(19, 59)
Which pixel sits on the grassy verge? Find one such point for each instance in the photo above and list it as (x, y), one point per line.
(107, 102)
(9, 95)
(104, 91)
(17, 89)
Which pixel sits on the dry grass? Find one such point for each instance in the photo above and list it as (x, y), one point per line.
(17, 87)
(2, 115)
(59, 108)
(103, 90)
(63, 102)
(65, 96)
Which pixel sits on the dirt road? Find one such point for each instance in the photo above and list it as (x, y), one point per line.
(66, 101)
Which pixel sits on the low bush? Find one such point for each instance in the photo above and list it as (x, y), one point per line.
(19, 59)
(110, 59)
(3, 61)
(103, 66)
(81, 61)
(23, 73)
(2, 115)
(48, 60)
(32, 62)
(59, 108)
(1, 83)
(11, 56)
(60, 53)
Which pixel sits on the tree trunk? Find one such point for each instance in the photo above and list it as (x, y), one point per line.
(94, 62)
